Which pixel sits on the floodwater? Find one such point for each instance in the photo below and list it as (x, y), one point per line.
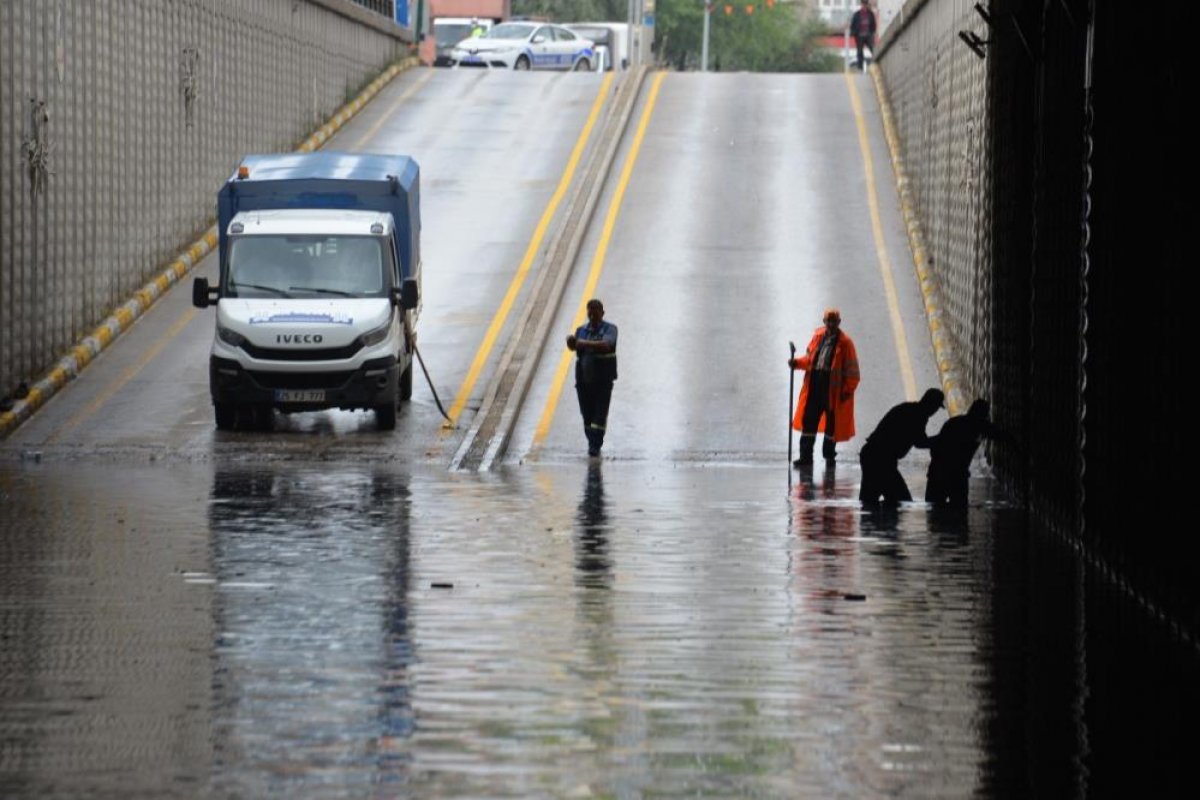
(573, 630)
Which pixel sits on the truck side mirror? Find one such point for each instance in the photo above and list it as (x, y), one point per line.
(405, 295)
(202, 294)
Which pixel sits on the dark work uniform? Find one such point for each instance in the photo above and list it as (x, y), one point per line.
(594, 376)
(818, 401)
(901, 429)
(950, 454)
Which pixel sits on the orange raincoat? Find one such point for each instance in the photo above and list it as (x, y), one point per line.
(843, 380)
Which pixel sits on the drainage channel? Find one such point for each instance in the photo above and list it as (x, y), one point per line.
(492, 427)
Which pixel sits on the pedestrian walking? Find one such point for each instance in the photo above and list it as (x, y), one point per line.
(862, 28)
(901, 429)
(826, 404)
(595, 346)
(951, 452)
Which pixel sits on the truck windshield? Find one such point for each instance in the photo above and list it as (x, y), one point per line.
(306, 266)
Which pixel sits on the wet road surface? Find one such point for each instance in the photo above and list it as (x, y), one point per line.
(326, 611)
(246, 629)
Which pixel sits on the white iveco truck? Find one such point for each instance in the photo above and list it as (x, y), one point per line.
(317, 299)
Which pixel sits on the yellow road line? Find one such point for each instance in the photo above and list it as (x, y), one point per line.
(610, 221)
(125, 377)
(535, 244)
(885, 265)
(409, 92)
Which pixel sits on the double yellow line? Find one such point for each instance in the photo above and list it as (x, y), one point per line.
(535, 244)
(610, 222)
(597, 266)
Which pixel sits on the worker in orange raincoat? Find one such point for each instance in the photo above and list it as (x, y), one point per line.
(830, 365)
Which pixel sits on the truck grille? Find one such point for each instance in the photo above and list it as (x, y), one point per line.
(329, 354)
(301, 380)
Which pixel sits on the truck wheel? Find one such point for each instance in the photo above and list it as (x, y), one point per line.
(226, 416)
(385, 417)
(263, 417)
(405, 388)
(583, 65)
(522, 63)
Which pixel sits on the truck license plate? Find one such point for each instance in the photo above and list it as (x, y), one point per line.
(299, 395)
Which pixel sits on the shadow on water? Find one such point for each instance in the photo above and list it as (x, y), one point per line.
(609, 630)
(1078, 691)
(593, 563)
(308, 568)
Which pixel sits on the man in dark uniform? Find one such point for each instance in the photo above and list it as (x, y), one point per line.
(595, 346)
(901, 429)
(951, 451)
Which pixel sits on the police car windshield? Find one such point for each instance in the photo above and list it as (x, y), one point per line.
(510, 30)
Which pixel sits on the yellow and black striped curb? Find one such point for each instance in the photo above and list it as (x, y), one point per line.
(83, 353)
(943, 347)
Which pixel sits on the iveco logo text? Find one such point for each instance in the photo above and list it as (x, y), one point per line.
(299, 338)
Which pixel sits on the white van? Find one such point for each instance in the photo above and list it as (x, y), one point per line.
(449, 31)
(611, 40)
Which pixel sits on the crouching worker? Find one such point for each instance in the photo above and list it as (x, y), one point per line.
(951, 452)
(901, 429)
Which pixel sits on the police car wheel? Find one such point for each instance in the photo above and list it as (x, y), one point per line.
(583, 65)
(522, 63)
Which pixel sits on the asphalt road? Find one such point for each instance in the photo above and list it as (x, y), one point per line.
(739, 206)
(327, 610)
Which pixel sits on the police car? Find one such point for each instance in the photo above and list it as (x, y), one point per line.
(526, 45)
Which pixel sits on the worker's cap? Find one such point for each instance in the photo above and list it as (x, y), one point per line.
(831, 313)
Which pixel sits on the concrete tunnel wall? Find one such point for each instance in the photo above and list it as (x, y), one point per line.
(118, 122)
(1038, 156)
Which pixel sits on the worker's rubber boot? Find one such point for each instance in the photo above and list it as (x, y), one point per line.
(829, 449)
(806, 450)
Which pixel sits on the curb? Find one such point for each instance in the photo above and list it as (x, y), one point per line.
(85, 351)
(943, 348)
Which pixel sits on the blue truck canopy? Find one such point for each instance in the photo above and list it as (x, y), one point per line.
(329, 179)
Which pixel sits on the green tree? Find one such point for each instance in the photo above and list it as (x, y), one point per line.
(776, 37)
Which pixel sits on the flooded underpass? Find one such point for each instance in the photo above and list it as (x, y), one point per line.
(241, 629)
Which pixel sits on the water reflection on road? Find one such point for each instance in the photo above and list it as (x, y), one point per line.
(570, 630)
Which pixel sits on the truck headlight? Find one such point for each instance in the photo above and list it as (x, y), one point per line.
(371, 338)
(230, 336)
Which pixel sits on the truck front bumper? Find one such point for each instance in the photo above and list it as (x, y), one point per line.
(371, 385)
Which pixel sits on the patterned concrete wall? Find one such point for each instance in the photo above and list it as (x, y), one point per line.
(119, 119)
(936, 87)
